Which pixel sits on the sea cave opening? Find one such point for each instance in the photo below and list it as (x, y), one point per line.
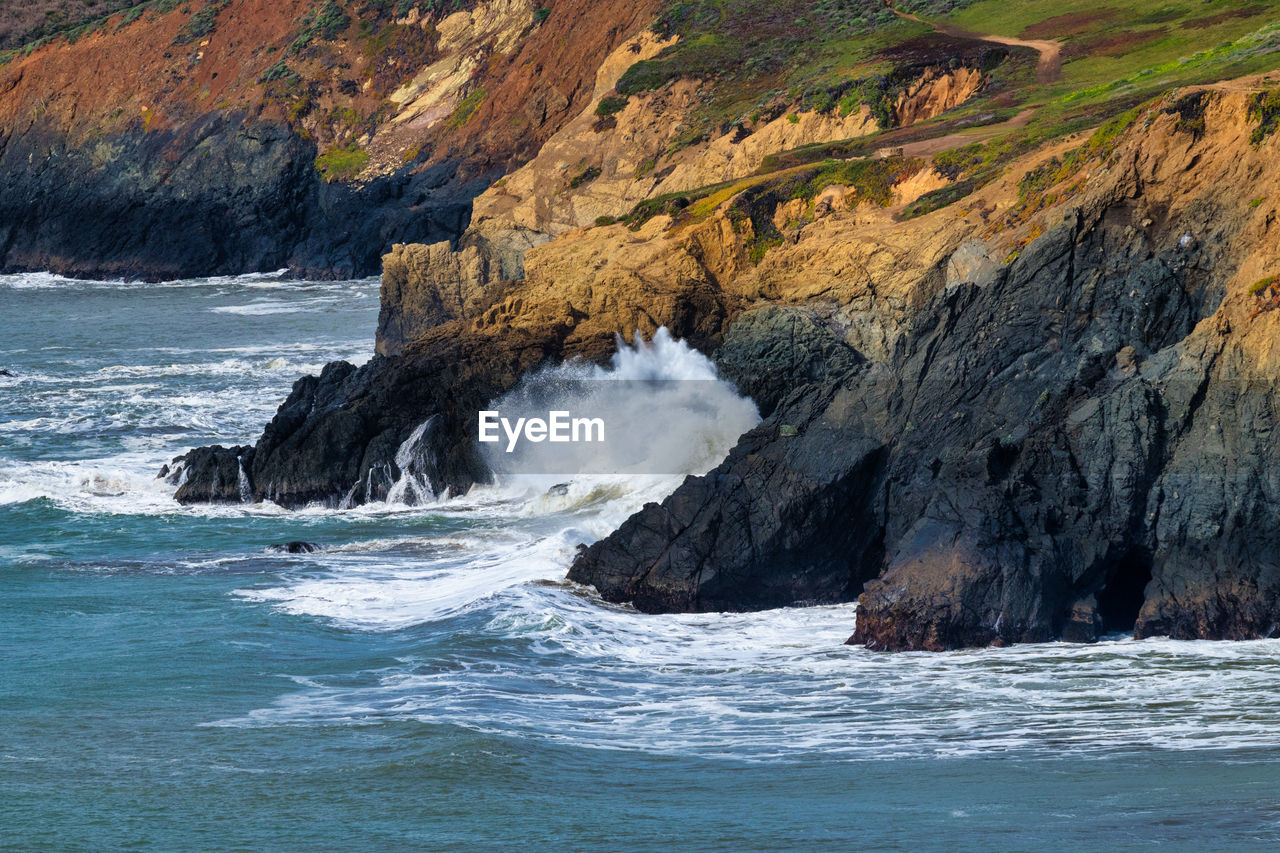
(1122, 595)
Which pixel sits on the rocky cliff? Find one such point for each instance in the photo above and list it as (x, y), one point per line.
(619, 153)
(1016, 367)
(1070, 441)
(460, 324)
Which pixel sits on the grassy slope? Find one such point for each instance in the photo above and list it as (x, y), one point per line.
(1138, 47)
(1114, 57)
(25, 22)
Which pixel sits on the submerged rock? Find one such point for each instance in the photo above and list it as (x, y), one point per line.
(296, 547)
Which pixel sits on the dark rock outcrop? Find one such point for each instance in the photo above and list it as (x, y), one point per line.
(772, 350)
(347, 436)
(295, 547)
(1050, 451)
(782, 521)
(213, 474)
(1070, 442)
(221, 194)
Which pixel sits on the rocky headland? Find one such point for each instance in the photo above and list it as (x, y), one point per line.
(1012, 342)
(176, 140)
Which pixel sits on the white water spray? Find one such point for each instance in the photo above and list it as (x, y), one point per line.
(668, 415)
(242, 477)
(526, 528)
(413, 488)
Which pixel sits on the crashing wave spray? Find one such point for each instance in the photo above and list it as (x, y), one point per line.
(677, 418)
(417, 471)
(667, 412)
(242, 482)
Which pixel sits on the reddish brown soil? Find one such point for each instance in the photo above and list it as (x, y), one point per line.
(104, 81)
(549, 79)
(1070, 24)
(1110, 44)
(138, 76)
(1223, 17)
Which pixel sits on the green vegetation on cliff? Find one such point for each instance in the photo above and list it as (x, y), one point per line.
(758, 57)
(1073, 66)
(1264, 108)
(342, 164)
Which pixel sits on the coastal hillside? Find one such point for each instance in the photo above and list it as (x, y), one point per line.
(164, 139)
(171, 139)
(747, 425)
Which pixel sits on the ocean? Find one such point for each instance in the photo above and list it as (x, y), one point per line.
(427, 680)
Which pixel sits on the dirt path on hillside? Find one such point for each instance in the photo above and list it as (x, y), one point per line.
(1048, 69)
(1250, 84)
(929, 147)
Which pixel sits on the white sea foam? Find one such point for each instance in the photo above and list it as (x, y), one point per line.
(121, 484)
(265, 307)
(48, 280)
(780, 684)
(553, 662)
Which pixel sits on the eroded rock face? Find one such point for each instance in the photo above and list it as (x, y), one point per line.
(1026, 457)
(223, 194)
(935, 92)
(424, 286)
(596, 169)
(771, 351)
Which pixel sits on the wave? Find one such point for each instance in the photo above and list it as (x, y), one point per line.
(265, 307)
(535, 524)
(508, 647)
(489, 635)
(49, 280)
(110, 486)
(550, 663)
(701, 418)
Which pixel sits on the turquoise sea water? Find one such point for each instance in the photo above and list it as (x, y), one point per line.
(428, 682)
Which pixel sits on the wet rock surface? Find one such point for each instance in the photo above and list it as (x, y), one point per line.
(212, 474)
(296, 547)
(346, 437)
(771, 351)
